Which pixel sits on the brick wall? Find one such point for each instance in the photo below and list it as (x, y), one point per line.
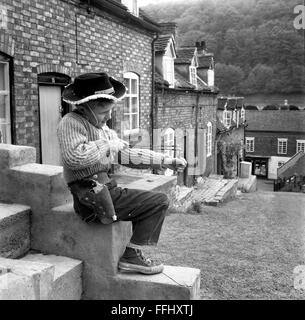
(177, 109)
(265, 143)
(41, 37)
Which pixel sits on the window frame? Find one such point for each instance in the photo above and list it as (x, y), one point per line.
(227, 121)
(193, 76)
(243, 114)
(169, 69)
(250, 144)
(302, 144)
(5, 123)
(209, 138)
(280, 145)
(169, 141)
(131, 76)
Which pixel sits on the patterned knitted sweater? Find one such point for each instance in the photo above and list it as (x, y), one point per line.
(85, 149)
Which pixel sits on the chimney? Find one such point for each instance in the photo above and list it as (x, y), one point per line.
(201, 46)
(168, 28)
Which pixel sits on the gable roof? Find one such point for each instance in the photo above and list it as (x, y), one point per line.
(181, 82)
(205, 61)
(162, 42)
(185, 55)
(276, 120)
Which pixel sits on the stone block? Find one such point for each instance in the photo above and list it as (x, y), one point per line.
(248, 184)
(12, 155)
(40, 274)
(245, 169)
(16, 287)
(67, 283)
(63, 233)
(42, 187)
(175, 283)
(14, 230)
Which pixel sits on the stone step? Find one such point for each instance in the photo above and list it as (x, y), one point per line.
(67, 282)
(42, 187)
(14, 230)
(12, 156)
(25, 280)
(174, 283)
(63, 233)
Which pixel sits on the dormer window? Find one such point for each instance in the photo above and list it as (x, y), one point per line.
(227, 116)
(132, 6)
(193, 76)
(168, 70)
(243, 114)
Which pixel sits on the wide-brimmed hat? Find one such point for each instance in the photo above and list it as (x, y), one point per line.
(92, 86)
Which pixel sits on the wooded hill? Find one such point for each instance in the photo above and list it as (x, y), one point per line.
(256, 47)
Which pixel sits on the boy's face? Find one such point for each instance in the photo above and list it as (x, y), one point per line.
(102, 111)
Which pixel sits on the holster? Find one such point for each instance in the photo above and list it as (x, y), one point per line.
(94, 196)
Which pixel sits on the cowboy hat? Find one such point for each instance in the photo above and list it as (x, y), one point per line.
(92, 86)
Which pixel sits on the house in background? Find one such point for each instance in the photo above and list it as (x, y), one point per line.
(273, 136)
(44, 45)
(231, 123)
(185, 106)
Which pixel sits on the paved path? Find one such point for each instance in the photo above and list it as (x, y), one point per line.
(246, 249)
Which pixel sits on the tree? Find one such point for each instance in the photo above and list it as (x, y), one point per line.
(228, 77)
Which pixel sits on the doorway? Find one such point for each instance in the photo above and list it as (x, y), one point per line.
(52, 109)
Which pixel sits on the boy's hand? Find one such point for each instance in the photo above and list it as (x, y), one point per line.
(178, 164)
(117, 145)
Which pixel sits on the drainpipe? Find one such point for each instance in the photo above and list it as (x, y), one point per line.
(153, 98)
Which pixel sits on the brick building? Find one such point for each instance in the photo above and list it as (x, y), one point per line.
(272, 138)
(184, 103)
(45, 44)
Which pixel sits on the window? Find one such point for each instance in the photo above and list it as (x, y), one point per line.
(209, 140)
(282, 146)
(243, 114)
(131, 107)
(250, 144)
(300, 145)
(193, 76)
(5, 115)
(169, 142)
(132, 6)
(168, 70)
(227, 118)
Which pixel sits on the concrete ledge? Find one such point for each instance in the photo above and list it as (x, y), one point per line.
(247, 184)
(148, 182)
(43, 186)
(17, 287)
(12, 155)
(14, 230)
(63, 233)
(67, 284)
(26, 278)
(175, 283)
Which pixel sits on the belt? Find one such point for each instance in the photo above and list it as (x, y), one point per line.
(95, 179)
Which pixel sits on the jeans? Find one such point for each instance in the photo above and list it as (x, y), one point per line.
(145, 209)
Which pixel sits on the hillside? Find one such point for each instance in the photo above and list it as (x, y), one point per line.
(256, 48)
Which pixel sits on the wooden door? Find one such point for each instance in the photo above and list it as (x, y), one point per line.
(50, 115)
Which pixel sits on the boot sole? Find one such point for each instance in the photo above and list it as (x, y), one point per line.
(131, 268)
